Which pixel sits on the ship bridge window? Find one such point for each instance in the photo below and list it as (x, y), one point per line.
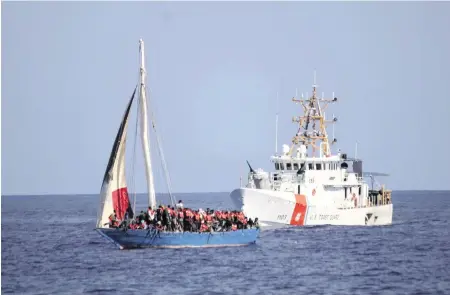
(310, 166)
(281, 166)
(295, 166)
(288, 166)
(277, 166)
(318, 166)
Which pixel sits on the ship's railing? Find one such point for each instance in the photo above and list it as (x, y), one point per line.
(387, 197)
(277, 181)
(383, 198)
(285, 177)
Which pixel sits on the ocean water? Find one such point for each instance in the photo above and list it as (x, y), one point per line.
(49, 247)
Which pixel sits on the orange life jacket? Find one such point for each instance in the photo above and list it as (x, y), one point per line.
(203, 227)
(173, 213)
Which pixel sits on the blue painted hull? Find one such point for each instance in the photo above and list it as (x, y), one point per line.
(152, 239)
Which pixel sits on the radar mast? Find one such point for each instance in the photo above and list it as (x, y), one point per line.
(312, 124)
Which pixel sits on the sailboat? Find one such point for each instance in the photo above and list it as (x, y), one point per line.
(115, 198)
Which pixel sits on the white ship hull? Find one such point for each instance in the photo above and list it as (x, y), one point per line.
(287, 208)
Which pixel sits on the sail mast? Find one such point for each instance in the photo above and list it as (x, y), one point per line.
(144, 131)
(276, 128)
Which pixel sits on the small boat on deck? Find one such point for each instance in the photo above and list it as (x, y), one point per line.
(115, 198)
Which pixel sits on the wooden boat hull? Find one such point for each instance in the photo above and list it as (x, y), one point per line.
(131, 239)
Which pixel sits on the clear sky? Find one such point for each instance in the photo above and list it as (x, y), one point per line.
(214, 69)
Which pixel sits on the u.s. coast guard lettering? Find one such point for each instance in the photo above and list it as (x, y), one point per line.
(324, 216)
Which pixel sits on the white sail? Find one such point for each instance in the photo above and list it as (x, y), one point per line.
(144, 131)
(114, 192)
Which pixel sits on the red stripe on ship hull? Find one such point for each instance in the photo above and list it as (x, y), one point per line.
(298, 216)
(121, 202)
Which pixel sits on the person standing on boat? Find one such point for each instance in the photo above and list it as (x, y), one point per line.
(256, 223)
(188, 220)
(195, 221)
(180, 217)
(159, 213)
(201, 216)
(250, 223)
(151, 215)
(173, 219)
(112, 220)
(165, 218)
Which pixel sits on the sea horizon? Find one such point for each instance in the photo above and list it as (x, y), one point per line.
(180, 193)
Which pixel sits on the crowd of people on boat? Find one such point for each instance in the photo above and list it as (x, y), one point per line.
(180, 219)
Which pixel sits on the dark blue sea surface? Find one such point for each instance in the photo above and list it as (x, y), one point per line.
(49, 247)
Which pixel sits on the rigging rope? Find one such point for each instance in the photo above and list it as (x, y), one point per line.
(164, 165)
(161, 155)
